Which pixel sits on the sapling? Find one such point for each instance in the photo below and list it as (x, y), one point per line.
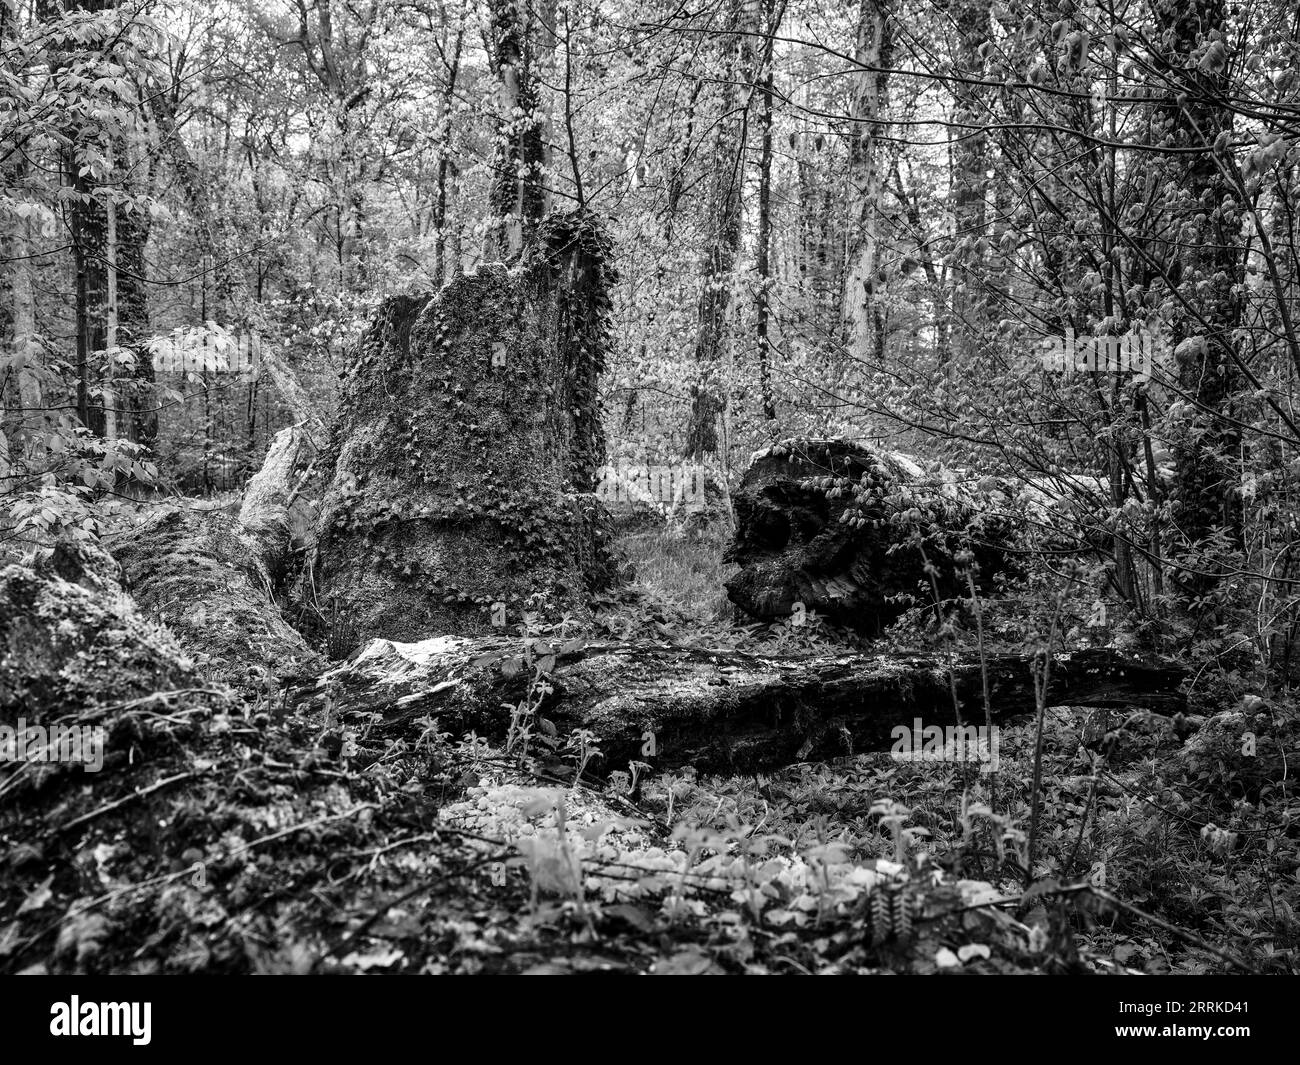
(583, 742)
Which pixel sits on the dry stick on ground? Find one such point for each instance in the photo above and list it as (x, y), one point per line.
(153, 697)
(140, 793)
(1172, 929)
(11, 781)
(1083, 824)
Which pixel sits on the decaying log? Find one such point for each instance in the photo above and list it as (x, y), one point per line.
(192, 571)
(213, 580)
(295, 396)
(829, 524)
(717, 709)
(275, 516)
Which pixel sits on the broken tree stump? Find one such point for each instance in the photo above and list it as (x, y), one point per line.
(462, 469)
(719, 710)
(828, 524)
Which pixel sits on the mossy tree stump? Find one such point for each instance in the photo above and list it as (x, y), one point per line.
(464, 460)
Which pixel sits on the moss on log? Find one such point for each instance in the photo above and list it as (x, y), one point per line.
(192, 571)
(718, 710)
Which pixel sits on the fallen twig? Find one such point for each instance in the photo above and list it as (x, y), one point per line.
(139, 793)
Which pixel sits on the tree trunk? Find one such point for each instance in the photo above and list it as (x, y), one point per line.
(463, 473)
(108, 253)
(862, 291)
(445, 162)
(517, 196)
(970, 163)
(722, 240)
(138, 397)
(70, 639)
(1204, 239)
(842, 556)
(196, 573)
(762, 263)
(18, 286)
(273, 509)
(213, 238)
(88, 225)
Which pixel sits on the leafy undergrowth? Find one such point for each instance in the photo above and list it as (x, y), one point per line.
(227, 836)
(226, 833)
(219, 839)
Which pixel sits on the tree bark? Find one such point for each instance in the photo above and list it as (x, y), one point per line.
(517, 196)
(863, 288)
(18, 301)
(762, 311)
(194, 572)
(463, 472)
(722, 239)
(1204, 239)
(718, 710)
(445, 163)
(842, 556)
(138, 396)
(111, 302)
(970, 164)
(70, 639)
(87, 223)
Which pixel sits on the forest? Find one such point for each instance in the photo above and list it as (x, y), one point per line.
(670, 487)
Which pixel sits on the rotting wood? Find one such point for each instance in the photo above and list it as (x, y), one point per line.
(719, 710)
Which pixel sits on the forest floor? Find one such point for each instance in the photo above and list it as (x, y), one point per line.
(239, 834)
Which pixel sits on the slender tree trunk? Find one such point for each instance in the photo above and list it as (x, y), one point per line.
(517, 195)
(213, 237)
(87, 225)
(445, 162)
(87, 222)
(111, 305)
(677, 180)
(1203, 240)
(860, 310)
(772, 17)
(18, 294)
(970, 164)
(912, 212)
(723, 239)
(140, 400)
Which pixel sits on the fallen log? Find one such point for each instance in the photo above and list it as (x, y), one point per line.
(275, 517)
(832, 526)
(720, 710)
(194, 572)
